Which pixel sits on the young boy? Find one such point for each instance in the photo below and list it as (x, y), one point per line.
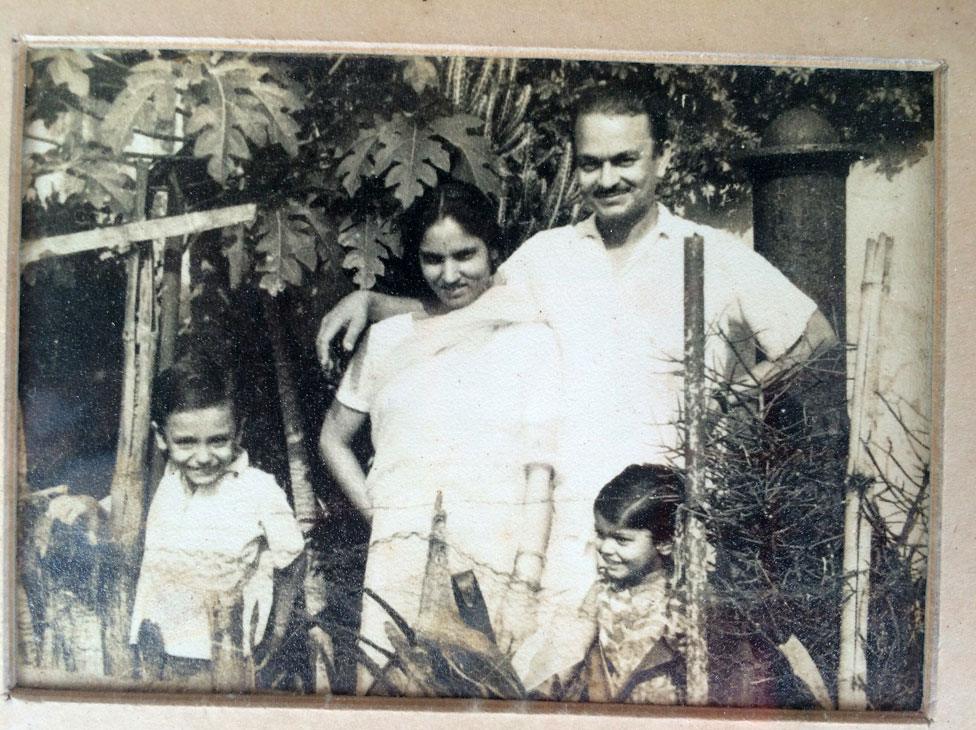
(217, 529)
(635, 654)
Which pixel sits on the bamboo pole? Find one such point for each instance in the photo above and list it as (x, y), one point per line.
(121, 237)
(306, 507)
(168, 253)
(693, 555)
(852, 676)
(127, 491)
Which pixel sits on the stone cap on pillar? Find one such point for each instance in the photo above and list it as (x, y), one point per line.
(800, 137)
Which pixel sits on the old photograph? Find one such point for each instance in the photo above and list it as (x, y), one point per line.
(461, 377)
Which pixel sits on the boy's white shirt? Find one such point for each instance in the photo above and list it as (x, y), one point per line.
(211, 539)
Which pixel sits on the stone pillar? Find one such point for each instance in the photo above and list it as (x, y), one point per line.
(799, 175)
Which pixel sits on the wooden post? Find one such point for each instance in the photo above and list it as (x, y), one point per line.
(852, 676)
(127, 491)
(693, 553)
(306, 507)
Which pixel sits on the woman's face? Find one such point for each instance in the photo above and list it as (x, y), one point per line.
(455, 264)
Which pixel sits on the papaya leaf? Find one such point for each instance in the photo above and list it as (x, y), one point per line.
(419, 73)
(368, 243)
(148, 103)
(356, 164)
(286, 242)
(327, 247)
(475, 150)
(66, 66)
(410, 157)
(237, 105)
(238, 259)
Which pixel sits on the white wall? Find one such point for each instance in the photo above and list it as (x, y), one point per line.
(902, 207)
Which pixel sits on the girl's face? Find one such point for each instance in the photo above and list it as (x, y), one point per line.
(455, 264)
(626, 555)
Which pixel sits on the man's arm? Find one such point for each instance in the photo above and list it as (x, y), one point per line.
(353, 314)
(817, 337)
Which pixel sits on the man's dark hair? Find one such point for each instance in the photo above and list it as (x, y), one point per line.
(462, 202)
(627, 99)
(193, 382)
(643, 497)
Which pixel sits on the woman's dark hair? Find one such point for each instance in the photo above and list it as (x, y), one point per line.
(462, 202)
(627, 99)
(643, 497)
(190, 383)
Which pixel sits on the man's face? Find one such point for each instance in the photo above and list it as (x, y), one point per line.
(201, 442)
(617, 165)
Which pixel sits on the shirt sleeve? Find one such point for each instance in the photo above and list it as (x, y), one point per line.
(769, 304)
(543, 387)
(281, 530)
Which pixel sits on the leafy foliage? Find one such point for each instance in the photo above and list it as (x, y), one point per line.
(65, 66)
(236, 106)
(410, 158)
(369, 242)
(287, 241)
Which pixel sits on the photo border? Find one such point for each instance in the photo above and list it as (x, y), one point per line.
(364, 707)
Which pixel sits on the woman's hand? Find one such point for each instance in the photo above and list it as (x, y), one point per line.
(351, 314)
(518, 617)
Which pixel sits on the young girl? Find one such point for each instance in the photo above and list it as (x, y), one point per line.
(635, 654)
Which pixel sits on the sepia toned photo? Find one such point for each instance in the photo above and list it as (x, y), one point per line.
(475, 377)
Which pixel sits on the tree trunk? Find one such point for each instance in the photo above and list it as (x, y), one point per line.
(852, 671)
(306, 507)
(693, 554)
(127, 492)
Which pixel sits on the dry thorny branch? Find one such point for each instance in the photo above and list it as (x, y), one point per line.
(776, 521)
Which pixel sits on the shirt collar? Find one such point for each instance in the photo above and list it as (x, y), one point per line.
(666, 221)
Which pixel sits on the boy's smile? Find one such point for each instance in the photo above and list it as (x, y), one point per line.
(201, 443)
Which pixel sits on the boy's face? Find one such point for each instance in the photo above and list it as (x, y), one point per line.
(627, 555)
(201, 442)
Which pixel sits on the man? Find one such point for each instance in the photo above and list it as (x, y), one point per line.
(612, 288)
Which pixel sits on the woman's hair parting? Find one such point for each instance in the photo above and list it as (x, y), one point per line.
(643, 497)
(464, 203)
(192, 382)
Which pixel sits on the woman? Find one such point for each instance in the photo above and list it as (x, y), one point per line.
(458, 408)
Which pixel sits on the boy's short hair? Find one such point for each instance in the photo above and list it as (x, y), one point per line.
(626, 98)
(192, 382)
(643, 497)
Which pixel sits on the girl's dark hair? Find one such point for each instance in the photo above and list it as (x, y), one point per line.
(466, 205)
(190, 383)
(643, 497)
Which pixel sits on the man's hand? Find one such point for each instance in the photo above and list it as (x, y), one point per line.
(351, 315)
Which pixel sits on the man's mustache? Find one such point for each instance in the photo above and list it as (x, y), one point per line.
(609, 192)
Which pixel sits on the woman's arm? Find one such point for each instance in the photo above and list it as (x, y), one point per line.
(339, 429)
(534, 539)
(517, 619)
